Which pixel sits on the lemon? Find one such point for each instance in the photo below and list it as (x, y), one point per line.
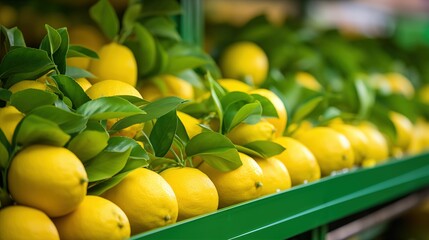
(83, 83)
(196, 194)
(404, 129)
(419, 133)
(146, 198)
(276, 175)
(26, 84)
(357, 139)
(295, 129)
(9, 118)
(191, 124)
(245, 133)
(299, 161)
(278, 122)
(308, 81)
(21, 222)
(244, 59)
(424, 94)
(377, 149)
(48, 178)
(239, 185)
(398, 83)
(95, 218)
(234, 85)
(332, 150)
(116, 62)
(166, 85)
(109, 88)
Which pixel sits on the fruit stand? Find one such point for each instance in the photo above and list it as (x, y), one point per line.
(159, 120)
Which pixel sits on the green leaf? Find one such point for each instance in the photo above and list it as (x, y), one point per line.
(379, 115)
(5, 94)
(102, 186)
(110, 161)
(108, 107)
(75, 72)
(163, 132)
(131, 15)
(29, 99)
(23, 64)
(68, 121)
(191, 77)
(90, 142)
(144, 49)
(51, 42)
(215, 149)
(14, 37)
(268, 109)
(365, 96)
(81, 51)
(306, 108)
(265, 149)
(138, 156)
(399, 103)
(162, 26)
(60, 54)
(71, 89)
(4, 151)
(177, 64)
(161, 7)
(105, 16)
(249, 113)
(216, 93)
(34, 129)
(162, 59)
(153, 110)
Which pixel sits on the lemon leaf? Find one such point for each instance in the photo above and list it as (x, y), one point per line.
(177, 64)
(162, 134)
(102, 186)
(106, 164)
(81, 51)
(29, 99)
(68, 121)
(94, 136)
(75, 72)
(144, 49)
(162, 27)
(379, 115)
(268, 109)
(108, 107)
(305, 108)
(51, 42)
(131, 15)
(14, 37)
(161, 7)
(215, 149)
(105, 16)
(4, 151)
(34, 129)
(71, 89)
(5, 94)
(138, 156)
(265, 149)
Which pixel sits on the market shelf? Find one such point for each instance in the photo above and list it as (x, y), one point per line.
(305, 207)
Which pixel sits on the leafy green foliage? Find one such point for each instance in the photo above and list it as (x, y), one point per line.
(29, 99)
(163, 132)
(105, 16)
(108, 107)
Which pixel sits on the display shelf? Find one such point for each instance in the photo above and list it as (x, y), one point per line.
(305, 207)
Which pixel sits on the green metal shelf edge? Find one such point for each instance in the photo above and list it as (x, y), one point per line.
(304, 207)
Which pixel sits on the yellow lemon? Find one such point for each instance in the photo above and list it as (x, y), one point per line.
(146, 198)
(278, 122)
(244, 59)
(21, 222)
(377, 149)
(404, 129)
(9, 118)
(48, 178)
(95, 218)
(234, 85)
(83, 83)
(191, 124)
(166, 85)
(398, 83)
(196, 194)
(332, 150)
(357, 139)
(299, 161)
(419, 133)
(116, 62)
(295, 129)
(307, 80)
(245, 133)
(276, 175)
(26, 84)
(239, 185)
(424, 94)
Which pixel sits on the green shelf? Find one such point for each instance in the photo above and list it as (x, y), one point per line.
(306, 207)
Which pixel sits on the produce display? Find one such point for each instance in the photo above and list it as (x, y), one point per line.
(117, 128)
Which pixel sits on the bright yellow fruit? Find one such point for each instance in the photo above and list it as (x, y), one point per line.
(420, 138)
(299, 161)
(109, 88)
(245, 133)
(404, 129)
(234, 85)
(166, 85)
(9, 119)
(26, 84)
(295, 129)
(239, 185)
(332, 150)
(48, 178)
(278, 122)
(21, 222)
(398, 83)
(424, 94)
(307, 80)
(357, 139)
(377, 149)
(244, 59)
(196, 194)
(190, 123)
(83, 83)
(276, 175)
(146, 198)
(95, 218)
(116, 62)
